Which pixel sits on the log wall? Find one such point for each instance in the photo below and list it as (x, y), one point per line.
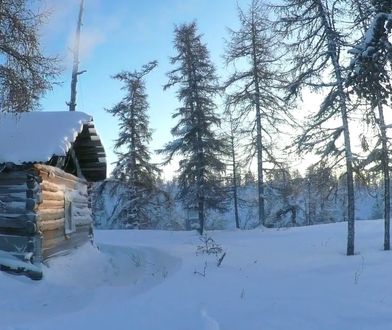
(56, 188)
(19, 197)
(33, 211)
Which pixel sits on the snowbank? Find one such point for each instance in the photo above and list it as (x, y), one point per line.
(296, 278)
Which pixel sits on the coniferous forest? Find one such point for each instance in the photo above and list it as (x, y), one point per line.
(236, 138)
(235, 160)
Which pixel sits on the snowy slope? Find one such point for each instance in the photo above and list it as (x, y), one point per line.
(297, 278)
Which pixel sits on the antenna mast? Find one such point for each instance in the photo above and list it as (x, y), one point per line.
(75, 73)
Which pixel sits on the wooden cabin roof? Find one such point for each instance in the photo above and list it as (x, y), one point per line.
(38, 137)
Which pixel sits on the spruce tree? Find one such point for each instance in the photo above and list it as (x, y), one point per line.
(134, 167)
(195, 137)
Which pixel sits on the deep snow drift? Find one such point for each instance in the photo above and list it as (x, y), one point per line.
(297, 278)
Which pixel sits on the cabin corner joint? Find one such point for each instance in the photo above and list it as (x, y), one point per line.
(45, 208)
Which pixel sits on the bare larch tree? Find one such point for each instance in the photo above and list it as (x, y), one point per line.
(314, 45)
(252, 89)
(25, 73)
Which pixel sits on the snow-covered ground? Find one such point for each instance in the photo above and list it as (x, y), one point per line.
(289, 279)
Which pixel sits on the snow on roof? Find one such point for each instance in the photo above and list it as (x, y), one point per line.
(37, 136)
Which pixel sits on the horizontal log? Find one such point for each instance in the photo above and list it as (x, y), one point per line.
(83, 227)
(12, 189)
(12, 182)
(51, 204)
(17, 197)
(88, 143)
(91, 155)
(14, 242)
(54, 237)
(80, 202)
(79, 199)
(13, 217)
(48, 186)
(81, 211)
(14, 174)
(15, 232)
(53, 244)
(64, 246)
(94, 173)
(26, 227)
(47, 195)
(13, 203)
(51, 172)
(58, 232)
(62, 182)
(13, 207)
(87, 139)
(51, 225)
(59, 196)
(88, 149)
(82, 220)
(99, 164)
(98, 169)
(50, 214)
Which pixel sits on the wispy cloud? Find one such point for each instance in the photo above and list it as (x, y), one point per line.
(60, 29)
(89, 40)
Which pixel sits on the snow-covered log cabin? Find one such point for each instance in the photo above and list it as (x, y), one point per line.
(47, 160)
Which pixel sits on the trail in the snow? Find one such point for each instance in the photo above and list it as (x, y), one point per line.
(72, 282)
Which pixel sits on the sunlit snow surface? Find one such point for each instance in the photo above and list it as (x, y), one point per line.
(270, 279)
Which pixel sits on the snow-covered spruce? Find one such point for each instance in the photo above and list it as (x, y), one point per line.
(195, 138)
(134, 167)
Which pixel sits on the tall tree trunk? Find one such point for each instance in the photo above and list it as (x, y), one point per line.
(350, 186)
(200, 184)
(237, 220)
(136, 221)
(200, 166)
(333, 53)
(259, 140)
(385, 170)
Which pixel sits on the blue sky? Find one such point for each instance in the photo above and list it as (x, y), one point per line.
(123, 35)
